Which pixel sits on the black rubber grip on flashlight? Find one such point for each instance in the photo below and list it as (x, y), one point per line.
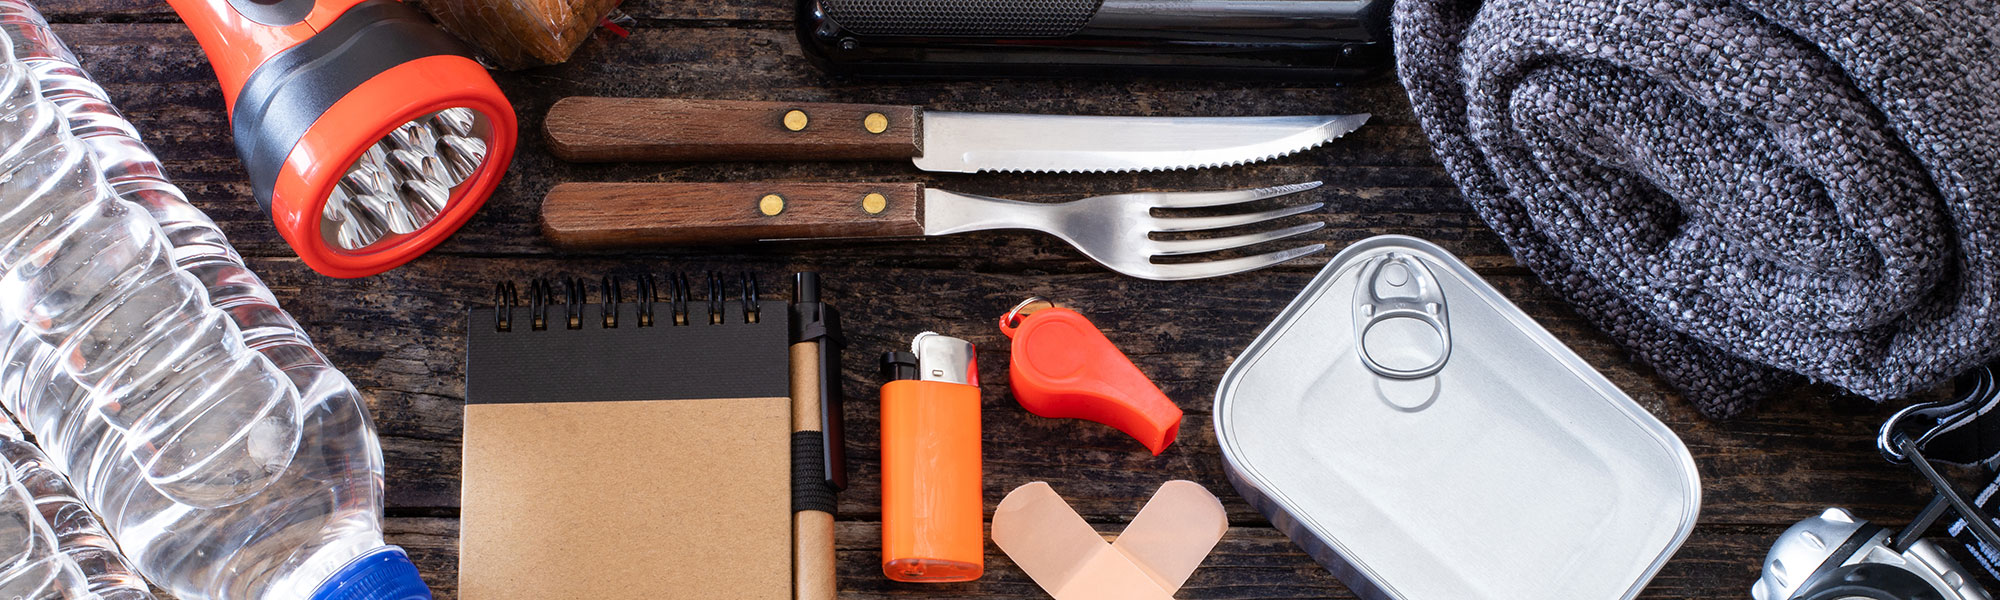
(289, 92)
(276, 13)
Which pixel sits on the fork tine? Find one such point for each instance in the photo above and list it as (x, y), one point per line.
(1200, 270)
(1180, 247)
(1225, 197)
(1169, 224)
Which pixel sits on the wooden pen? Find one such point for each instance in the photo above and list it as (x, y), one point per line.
(818, 459)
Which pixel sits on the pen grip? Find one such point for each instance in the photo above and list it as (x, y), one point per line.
(603, 215)
(585, 129)
(812, 530)
(932, 506)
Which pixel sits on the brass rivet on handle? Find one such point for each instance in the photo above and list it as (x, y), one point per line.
(876, 122)
(771, 205)
(795, 120)
(874, 203)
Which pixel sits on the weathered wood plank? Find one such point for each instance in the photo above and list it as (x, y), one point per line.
(400, 336)
(1381, 178)
(70, 11)
(1250, 562)
(777, 13)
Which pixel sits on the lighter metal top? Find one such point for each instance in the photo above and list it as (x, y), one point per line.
(944, 358)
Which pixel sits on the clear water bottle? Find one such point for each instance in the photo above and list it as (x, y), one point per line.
(224, 453)
(77, 533)
(31, 567)
(209, 421)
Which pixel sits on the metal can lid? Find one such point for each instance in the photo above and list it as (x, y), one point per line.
(1426, 440)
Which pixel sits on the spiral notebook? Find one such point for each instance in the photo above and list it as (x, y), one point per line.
(621, 448)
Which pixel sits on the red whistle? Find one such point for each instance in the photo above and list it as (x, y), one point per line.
(1064, 368)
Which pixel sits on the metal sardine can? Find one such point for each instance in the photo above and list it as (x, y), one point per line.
(1424, 439)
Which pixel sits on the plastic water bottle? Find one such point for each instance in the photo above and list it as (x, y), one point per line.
(225, 455)
(77, 533)
(30, 565)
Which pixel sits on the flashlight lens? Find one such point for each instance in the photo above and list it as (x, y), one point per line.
(403, 182)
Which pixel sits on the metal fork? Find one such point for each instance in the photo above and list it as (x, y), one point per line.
(1115, 229)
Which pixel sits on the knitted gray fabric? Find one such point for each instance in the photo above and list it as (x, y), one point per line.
(1737, 191)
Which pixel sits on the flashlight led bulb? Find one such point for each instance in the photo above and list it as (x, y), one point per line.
(404, 181)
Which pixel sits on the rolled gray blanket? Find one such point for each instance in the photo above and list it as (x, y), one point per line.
(1737, 191)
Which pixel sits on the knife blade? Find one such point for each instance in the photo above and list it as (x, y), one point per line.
(585, 129)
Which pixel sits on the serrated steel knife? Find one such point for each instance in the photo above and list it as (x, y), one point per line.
(584, 129)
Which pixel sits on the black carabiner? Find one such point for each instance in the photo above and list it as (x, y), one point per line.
(1905, 437)
(1923, 422)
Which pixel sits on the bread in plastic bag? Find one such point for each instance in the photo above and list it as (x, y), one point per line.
(517, 34)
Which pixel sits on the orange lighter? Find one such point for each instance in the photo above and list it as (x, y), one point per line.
(933, 513)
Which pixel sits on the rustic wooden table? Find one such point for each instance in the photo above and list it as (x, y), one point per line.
(400, 336)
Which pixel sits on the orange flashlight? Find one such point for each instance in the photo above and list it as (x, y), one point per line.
(369, 134)
(933, 510)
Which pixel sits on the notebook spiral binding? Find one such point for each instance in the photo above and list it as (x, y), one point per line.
(672, 292)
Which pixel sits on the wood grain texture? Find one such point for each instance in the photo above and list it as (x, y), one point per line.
(400, 335)
(1250, 562)
(584, 129)
(625, 215)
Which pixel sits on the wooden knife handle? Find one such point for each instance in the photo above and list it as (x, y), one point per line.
(583, 129)
(605, 215)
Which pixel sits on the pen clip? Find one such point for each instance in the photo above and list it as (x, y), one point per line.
(815, 320)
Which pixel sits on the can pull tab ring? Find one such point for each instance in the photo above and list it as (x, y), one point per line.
(1399, 317)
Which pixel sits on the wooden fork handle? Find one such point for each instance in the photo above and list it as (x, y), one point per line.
(605, 215)
(585, 129)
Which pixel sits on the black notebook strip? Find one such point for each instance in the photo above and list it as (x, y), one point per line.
(573, 293)
(572, 341)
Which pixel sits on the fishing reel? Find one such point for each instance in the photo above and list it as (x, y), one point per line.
(1835, 556)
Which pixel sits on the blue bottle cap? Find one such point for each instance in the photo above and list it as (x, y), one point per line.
(384, 573)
